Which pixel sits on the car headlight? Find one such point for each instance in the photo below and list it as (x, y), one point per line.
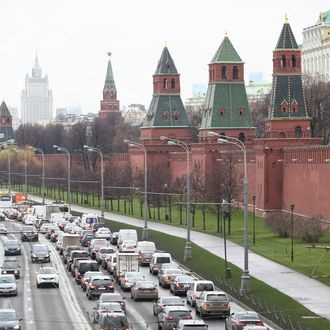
(15, 271)
(16, 326)
(33, 255)
(4, 272)
(47, 255)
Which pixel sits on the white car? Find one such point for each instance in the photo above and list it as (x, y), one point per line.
(47, 276)
(103, 233)
(127, 246)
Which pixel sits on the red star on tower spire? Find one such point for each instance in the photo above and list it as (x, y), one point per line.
(109, 54)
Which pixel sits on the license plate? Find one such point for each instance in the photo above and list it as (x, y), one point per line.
(101, 288)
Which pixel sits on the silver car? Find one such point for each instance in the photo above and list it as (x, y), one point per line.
(9, 320)
(129, 278)
(106, 307)
(161, 302)
(144, 290)
(8, 285)
(170, 316)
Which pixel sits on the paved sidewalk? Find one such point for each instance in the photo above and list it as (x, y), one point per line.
(310, 293)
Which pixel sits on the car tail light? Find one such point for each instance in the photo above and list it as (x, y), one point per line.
(169, 318)
(177, 285)
(110, 286)
(260, 323)
(206, 305)
(189, 317)
(239, 324)
(92, 287)
(227, 305)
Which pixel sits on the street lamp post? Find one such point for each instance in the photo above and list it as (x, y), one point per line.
(9, 176)
(145, 231)
(170, 141)
(254, 219)
(65, 150)
(245, 278)
(292, 208)
(43, 171)
(98, 151)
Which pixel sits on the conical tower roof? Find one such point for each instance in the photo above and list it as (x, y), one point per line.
(109, 83)
(226, 53)
(36, 71)
(166, 64)
(286, 39)
(4, 112)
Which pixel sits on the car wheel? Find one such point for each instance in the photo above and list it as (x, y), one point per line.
(89, 297)
(201, 314)
(159, 326)
(153, 310)
(188, 302)
(38, 285)
(58, 285)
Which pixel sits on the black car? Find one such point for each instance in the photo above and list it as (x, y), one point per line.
(113, 321)
(11, 267)
(97, 225)
(114, 238)
(29, 233)
(40, 253)
(180, 284)
(12, 247)
(87, 239)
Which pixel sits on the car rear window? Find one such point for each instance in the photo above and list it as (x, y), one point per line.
(10, 264)
(194, 327)
(247, 317)
(114, 322)
(217, 297)
(101, 281)
(163, 260)
(88, 266)
(179, 314)
(40, 249)
(204, 287)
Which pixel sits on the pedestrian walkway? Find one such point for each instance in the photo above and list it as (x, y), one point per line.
(308, 292)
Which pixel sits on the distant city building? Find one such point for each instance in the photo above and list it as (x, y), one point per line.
(61, 113)
(69, 119)
(195, 103)
(37, 98)
(74, 108)
(134, 114)
(15, 119)
(257, 92)
(6, 127)
(316, 48)
(255, 77)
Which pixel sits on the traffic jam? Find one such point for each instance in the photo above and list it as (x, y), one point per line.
(111, 267)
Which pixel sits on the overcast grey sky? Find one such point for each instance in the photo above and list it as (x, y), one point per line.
(72, 38)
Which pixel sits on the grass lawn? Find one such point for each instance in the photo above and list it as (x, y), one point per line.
(268, 243)
(211, 267)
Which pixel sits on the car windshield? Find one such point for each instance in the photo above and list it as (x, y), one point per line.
(172, 271)
(11, 243)
(163, 260)
(172, 301)
(90, 220)
(9, 264)
(47, 271)
(7, 279)
(102, 281)
(217, 297)
(40, 249)
(89, 275)
(7, 316)
(79, 254)
(107, 250)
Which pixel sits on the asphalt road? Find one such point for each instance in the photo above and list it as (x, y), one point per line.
(68, 306)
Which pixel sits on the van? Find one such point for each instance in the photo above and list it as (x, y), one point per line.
(88, 220)
(40, 253)
(84, 266)
(196, 288)
(126, 234)
(157, 260)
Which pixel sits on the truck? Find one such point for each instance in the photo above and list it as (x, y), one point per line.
(69, 239)
(126, 262)
(45, 211)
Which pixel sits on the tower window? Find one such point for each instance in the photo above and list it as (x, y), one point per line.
(235, 72)
(223, 72)
(176, 115)
(241, 137)
(284, 106)
(165, 84)
(283, 62)
(166, 115)
(240, 111)
(293, 61)
(298, 132)
(172, 83)
(221, 111)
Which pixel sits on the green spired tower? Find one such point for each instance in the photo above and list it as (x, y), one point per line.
(226, 109)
